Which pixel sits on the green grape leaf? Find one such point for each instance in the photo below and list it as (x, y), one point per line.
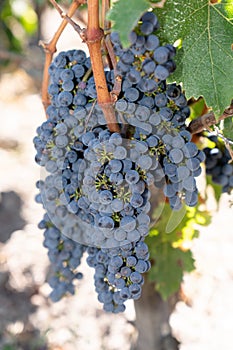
(167, 270)
(205, 61)
(173, 231)
(169, 226)
(125, 15)
(197, 108)
(176, 227)
(228, 128)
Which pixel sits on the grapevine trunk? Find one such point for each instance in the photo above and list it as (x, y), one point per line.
(152, 320)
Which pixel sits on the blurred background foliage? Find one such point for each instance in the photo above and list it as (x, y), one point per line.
(19, 23)
(20, 29)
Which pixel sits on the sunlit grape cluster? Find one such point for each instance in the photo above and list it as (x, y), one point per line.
(96, 184)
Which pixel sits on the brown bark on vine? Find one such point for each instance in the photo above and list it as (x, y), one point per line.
(207, 120)
(152, 320)
(93, 37)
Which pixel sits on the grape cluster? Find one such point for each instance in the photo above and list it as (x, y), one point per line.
(114, 189)
(93, 181)
(117, 270)
(219, 164)
(144, 68)
(71, 109)
(118, 273)
(162, 129)
(72, 84)
(143, 75)
(97, 184)
(65, 257)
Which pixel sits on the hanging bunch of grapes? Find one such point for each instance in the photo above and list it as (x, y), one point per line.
(106, 151)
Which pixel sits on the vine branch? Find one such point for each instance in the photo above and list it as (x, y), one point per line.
(50, 49)
(105, 8)
(205, 121)
(93, 37)
(118, 79)
(68, 18)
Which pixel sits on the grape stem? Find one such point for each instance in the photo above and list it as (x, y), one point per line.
(106, 25)
(50, 48)
(68, 18)
(205, 121)
(118, 79)
(93, 38)
(109, 48)
(105, 8)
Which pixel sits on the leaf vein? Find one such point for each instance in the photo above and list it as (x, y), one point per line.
(211, 60)
(222, 48)
(222, 15)
(198, 9)
(189, 48)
